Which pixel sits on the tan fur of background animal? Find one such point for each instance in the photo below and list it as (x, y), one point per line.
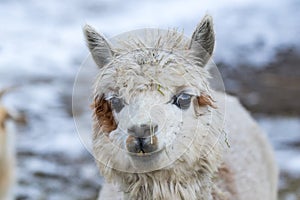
(7, 153)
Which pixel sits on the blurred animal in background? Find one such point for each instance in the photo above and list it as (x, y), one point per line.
(7, 148)
(158, 126)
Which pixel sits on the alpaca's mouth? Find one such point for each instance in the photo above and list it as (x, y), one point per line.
(143, 154)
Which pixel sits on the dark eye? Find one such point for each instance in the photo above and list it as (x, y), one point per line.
(117, 103)
(183, 101)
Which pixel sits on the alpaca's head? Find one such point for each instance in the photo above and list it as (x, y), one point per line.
(152, 101)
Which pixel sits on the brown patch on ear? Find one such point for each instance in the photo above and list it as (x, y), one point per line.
(206, 100)
(103, 114)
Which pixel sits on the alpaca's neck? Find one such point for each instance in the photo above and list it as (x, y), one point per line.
(163, 185)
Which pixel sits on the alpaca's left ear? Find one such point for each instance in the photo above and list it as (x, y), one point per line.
(203, 40)
(98, 46)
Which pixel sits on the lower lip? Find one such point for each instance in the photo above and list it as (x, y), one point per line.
(142, 155)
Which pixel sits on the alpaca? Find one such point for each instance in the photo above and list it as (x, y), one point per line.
(159, 129)
(6, 153)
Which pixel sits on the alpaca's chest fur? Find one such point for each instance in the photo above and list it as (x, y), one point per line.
(160, 186)
(167, 185)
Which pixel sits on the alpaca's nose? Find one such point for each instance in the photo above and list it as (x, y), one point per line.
(143, 130)
(142, 139)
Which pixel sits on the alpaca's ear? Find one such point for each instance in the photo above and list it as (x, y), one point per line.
(203, 40)
(98, 46)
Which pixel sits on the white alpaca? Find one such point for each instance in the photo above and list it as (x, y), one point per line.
(158, 127)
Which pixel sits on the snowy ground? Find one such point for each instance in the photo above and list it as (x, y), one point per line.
(41, 50)
(284, 134)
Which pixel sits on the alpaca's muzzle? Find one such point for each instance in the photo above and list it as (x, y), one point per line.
(142, 139)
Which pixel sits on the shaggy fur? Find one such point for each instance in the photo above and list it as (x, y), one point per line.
(193, 160)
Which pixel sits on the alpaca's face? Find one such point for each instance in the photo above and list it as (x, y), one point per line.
(151, 98)
(150, 124)
(149, 121)
(151, 127)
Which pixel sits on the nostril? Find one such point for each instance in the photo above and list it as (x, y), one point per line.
(144, 125)
(131, 130)
(155, 128)
(149, 144)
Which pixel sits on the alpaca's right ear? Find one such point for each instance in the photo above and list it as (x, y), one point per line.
(98, 46)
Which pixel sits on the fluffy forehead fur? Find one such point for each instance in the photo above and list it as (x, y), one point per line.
(160, 62)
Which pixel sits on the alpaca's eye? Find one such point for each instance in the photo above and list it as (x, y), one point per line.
(117, 103)
(183, 101)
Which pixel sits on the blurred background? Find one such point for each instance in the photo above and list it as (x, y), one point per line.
(42, 47)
